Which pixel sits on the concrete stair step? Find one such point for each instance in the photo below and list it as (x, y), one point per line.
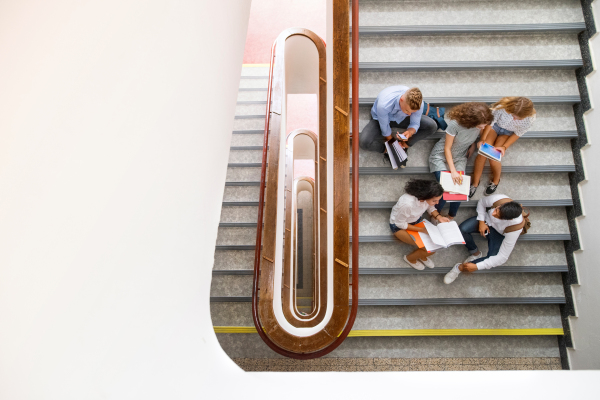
(436, 51)
(375, 221)
(386, 258)
(253, 124)
(250, 109)
(439, 12)
(440, 84)
(522, 186)
(241, 193)
(374, 348)
(419, 66)
(252, 137)
(544, 220)
(427, 289)
(370, 318)
(521, 153)
(250, 71)
(548, 117)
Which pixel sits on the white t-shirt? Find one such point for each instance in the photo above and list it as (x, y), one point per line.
(407, 210)
(510, 238)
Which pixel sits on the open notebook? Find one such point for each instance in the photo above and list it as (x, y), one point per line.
(437, 237)
(450, 187)
(441, 236)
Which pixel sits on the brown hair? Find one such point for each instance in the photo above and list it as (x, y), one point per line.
(521, 107)
(414, 98)
(470, 115)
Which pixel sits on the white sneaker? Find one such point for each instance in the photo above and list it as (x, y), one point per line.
(416, 265)
(452, 275)
(428, 263)
(472, 257)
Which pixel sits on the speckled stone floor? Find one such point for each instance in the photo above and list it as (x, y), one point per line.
(398, 364)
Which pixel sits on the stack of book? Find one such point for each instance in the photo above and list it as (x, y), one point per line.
(396, 153)
(452, 191)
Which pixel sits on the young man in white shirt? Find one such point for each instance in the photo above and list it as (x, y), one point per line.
(502, 225)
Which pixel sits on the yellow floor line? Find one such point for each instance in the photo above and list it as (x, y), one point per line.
(422, 332)
(255, 65)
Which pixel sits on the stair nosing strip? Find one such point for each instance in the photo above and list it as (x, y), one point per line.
(469, 65)
(527, 237)
(471, 203)
(249, 132)
(367, 205)
(262, 116)
(367, 101)
(506, 169)
(437, 270)
(416, 30)
(416, 302)
(567, 99)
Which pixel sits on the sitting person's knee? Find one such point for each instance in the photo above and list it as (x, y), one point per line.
(428, 125)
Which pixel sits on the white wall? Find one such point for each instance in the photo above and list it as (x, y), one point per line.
(586, 326)
(115, 121)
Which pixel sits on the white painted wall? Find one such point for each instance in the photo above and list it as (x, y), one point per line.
(586, 326)
(115, 121)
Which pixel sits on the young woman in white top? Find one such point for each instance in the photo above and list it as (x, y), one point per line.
(500, 225)
(421, 195)
(513, 116)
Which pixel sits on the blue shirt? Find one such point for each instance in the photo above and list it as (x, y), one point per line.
(387, 108)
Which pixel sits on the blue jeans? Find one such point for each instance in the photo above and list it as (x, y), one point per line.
(454, 205)
(494, 238)
(501, 131)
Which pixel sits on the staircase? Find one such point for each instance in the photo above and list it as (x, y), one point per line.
(510, 317)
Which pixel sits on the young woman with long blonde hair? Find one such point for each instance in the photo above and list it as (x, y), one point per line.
(513, 116)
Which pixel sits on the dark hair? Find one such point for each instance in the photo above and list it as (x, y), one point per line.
(510, 210)
(423, 189)
(469, 115)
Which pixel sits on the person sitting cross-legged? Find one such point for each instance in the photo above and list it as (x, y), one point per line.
(398, 107)
(421, 195)
(500, 220)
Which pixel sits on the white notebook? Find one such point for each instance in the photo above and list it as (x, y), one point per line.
(450, 187)
(441, 236)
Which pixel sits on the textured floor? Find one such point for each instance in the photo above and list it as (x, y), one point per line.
(399, 364)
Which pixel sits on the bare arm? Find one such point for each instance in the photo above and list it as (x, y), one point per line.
(509, 142)
(456, 177)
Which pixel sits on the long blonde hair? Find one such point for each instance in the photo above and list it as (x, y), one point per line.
(521, 107)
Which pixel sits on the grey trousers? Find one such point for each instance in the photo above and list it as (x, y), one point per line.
(371, 139)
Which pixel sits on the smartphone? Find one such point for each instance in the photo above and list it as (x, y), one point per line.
(401, 136)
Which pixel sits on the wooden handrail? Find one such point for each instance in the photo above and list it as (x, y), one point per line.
(340, 25)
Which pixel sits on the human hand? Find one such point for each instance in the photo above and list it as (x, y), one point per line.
(483, 228)
(456, 177)
(443, 219)
(501, 149)
(399, 138)
(471, 150)
(468, 267)
(480, 143)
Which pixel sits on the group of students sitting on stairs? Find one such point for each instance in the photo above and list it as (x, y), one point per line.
(467, 126)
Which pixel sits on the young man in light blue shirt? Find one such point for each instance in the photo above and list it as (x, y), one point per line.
(396, 107)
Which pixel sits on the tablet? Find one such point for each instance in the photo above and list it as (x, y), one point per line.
(490, 152)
